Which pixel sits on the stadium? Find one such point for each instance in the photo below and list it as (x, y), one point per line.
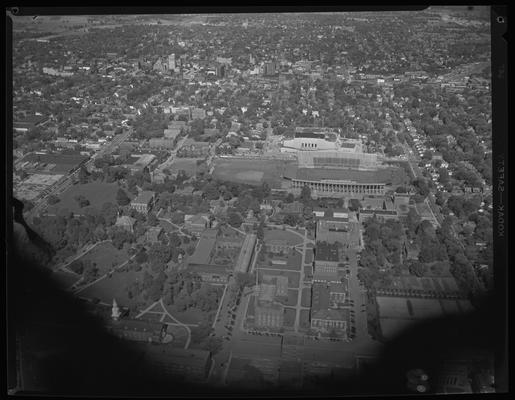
(337, 159)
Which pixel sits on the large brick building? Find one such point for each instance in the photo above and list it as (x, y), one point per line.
(144, 202)
(324, 315)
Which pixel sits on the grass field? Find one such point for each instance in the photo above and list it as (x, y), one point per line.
(190, 316)
(289, 317)
(106, 256)
(308, 271)
(293, 277)
(309, 257)
(306, 297)
(253, 172)
(151, 317)
(293, 296)
(304, 319)
(113, 287)
(251, 309)
(97, 193)
(180, 335)
(278, 234)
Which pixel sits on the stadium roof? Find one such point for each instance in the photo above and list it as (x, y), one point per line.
(320, 174)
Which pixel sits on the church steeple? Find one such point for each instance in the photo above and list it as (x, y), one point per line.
(115, 311)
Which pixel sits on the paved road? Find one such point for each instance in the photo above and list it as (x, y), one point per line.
(79, 255)
(298, 306)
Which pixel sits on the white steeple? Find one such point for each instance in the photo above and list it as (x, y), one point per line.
(115, 311)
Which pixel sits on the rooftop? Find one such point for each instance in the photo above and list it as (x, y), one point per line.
(144, 197)
(328, 252)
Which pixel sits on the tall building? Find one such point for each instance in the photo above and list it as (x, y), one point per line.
(171, 62)
(115, 314)
(271, 68)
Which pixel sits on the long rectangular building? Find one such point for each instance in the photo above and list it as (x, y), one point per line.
(247, 249)
(337, 159)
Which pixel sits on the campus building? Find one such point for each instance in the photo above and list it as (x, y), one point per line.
(325, 317)
(137, 330)
(269, 315)
(144, 202)
(278, 246)
(245, 256)
(336, 158)
(329, 260)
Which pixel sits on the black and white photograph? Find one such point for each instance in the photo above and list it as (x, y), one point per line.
(276, 202)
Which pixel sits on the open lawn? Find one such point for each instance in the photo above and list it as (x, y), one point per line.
(308, 271)
(113, 288)
(167, 227)
(180, 335)
(190, 316)
(292, 298)
(251, 309)
(289, 317)
(304, 319)
(306, 297)
(293, 277)
(151, 317)
(309, 256)
(253, 172)
(278, 234)
(105, 256)
(97, 193)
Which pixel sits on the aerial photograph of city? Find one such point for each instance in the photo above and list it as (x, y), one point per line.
(236, 203)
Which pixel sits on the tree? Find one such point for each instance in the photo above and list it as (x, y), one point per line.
(53, 199)
(83, 175)
(291, 220)
(261, 231)
(234, 219)
(354, 205)
(141, 257)
(245, 279)
(290, 198)
(159, 254)
(212, 344)
(305, 195)
(417, 268)
(109, 211)
(152, 220)
(121, 197)
(82, 201)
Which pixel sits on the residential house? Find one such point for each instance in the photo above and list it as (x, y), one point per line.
(126, 223)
